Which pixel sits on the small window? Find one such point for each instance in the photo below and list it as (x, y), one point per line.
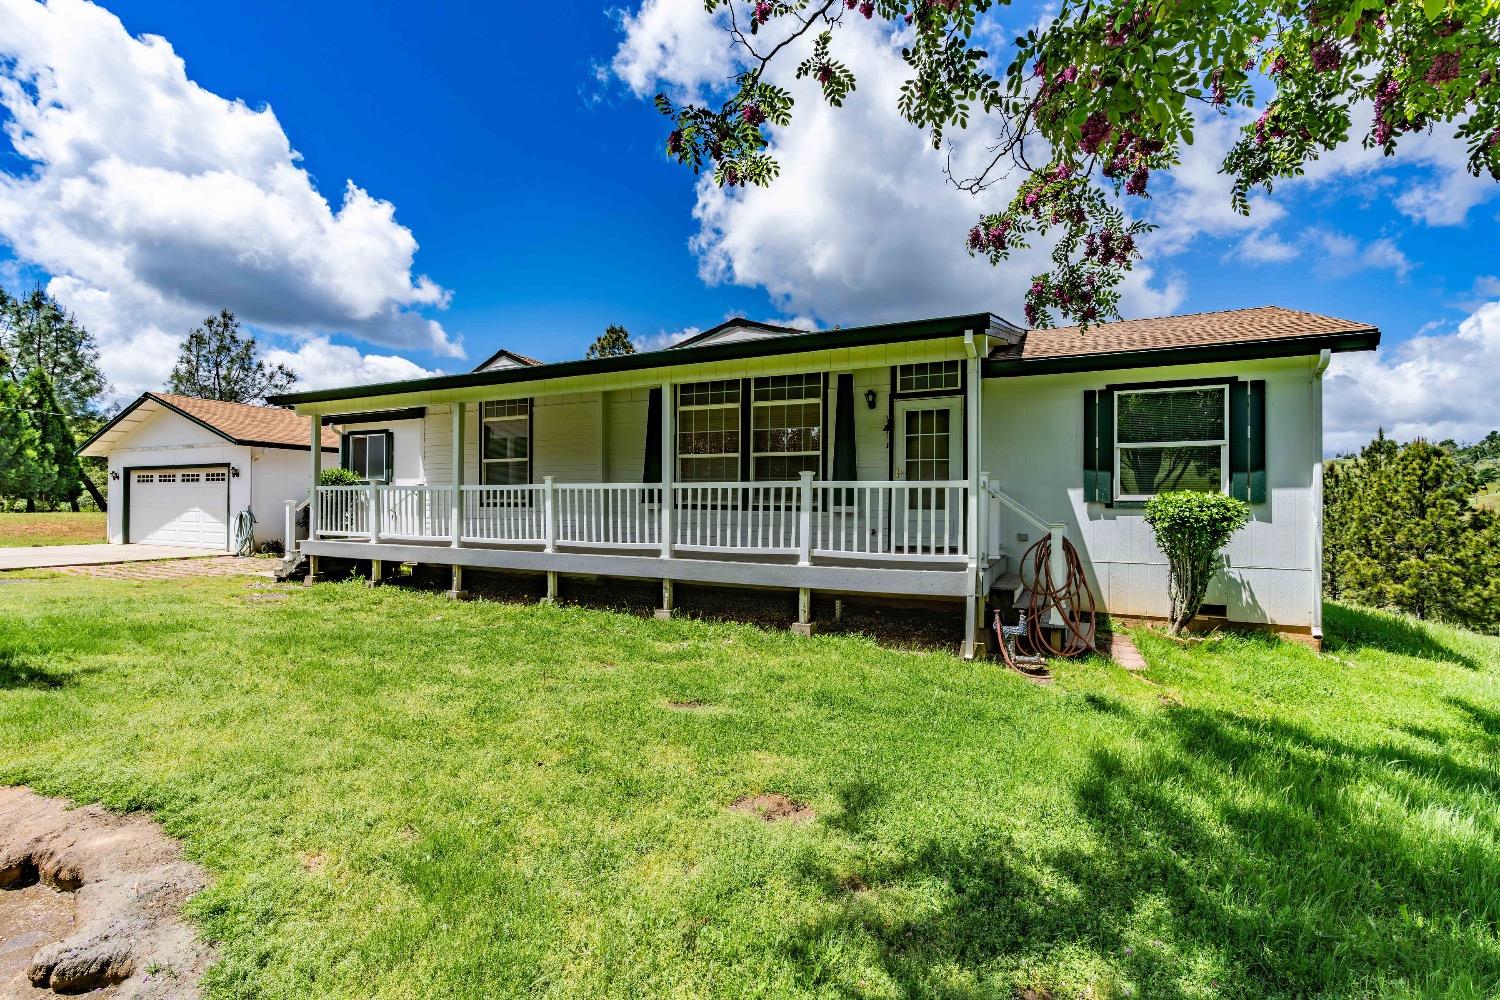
(1171, 439)
(708, 431)
(192, 477)
(368, 455)
(929, 376)
(167, 477)
(145, 478)
(214, 477)
(505, 442)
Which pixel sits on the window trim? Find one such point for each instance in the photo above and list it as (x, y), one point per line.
(958, 390)
(347, 454)
(737, 407)
(530, 417)
(748, 446)
(1116, 447)
(744, 407)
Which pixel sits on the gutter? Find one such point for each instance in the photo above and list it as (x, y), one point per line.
(1284, 347)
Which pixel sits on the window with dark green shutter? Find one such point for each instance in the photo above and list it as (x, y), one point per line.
(1171, 438)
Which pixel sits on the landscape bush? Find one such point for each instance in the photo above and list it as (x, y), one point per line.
(1191, 529)
(338, 476)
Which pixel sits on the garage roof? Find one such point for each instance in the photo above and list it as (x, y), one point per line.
(237, 423)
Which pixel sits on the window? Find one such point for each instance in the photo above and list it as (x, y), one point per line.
(1171, 439)
(708, 431)
(929, 376)
(215, 477)
(505, 445)
(145, 477)
(368, 455)
(786, 422)
(191, 477)
(167, 477)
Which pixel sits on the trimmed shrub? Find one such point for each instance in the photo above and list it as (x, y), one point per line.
(338, 476)
(1192, 529)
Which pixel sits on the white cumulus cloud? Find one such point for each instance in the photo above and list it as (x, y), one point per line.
(861, 225)
(320, 364)
(153, 202)
(1438, 384)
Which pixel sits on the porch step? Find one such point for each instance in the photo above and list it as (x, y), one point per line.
(292, 565)
(1014, 595)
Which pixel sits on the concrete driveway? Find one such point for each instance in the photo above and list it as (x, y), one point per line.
(44, 556)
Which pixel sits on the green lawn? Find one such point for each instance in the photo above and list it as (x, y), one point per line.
(61, 528)
(403, 797)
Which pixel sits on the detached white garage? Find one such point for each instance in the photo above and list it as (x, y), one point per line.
(182, 469)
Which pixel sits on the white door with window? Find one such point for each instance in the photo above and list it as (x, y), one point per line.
(929, 448)
(180, 507)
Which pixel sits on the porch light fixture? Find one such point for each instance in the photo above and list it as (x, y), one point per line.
(234, 472)
(115, 475)
(870, 398)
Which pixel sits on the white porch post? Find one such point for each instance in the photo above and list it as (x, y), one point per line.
(317, 474)
(972, 453)
(549, 514)
(372, 499)
(456, 509)
(668, 465)
(804, 519)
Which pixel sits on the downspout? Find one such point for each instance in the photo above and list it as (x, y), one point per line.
(1316, 387)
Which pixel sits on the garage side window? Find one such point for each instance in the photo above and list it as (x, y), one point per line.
(367, 454)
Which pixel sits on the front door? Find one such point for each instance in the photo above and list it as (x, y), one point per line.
(929, 442)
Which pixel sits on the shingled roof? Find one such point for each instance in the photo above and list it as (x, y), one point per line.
(1261, 327)
(239, 423)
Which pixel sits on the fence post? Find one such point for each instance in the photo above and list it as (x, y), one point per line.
(374, 498)
(549, 514)
(804, 519)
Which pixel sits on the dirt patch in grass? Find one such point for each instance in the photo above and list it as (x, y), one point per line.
(773, 807)
(91, 901)
(1033, 993)
(691, 705)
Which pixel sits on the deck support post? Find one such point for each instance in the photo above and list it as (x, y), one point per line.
(312, 572)
(551, 597)
(668, 602)
(377, 573)
(668, 464)
(458, 593)
(804, 624)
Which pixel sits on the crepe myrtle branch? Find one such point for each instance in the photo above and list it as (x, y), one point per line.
(1112, 90)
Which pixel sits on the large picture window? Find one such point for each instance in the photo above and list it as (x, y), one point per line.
(708, 431)
(786, 423)
(1171, 439)
(367, 454)
(505, 445)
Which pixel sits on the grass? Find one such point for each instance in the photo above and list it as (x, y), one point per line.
(402, 797)
(60, 528)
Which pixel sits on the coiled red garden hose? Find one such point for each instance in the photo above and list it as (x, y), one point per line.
(1070, 597)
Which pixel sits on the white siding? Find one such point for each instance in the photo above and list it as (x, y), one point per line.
(625, 435)
(567, 438)
(407, 448)
(1033, 449)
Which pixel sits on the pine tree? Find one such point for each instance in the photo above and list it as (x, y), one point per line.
(217, 362)
(22, 469)
(612, 343)
(61, 479)
(38, 333)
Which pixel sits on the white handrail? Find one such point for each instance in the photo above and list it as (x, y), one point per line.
(1025, 512)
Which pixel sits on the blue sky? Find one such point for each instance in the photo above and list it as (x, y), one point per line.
(522, 155)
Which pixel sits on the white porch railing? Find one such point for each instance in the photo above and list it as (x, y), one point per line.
(888, 520)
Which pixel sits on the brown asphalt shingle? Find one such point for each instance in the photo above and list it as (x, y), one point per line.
(1231, 326)
(248, 424)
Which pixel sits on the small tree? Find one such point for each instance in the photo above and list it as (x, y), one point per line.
(612, 343)
(59, 479)
(217, 362)
(1192, 528)
(23, 470)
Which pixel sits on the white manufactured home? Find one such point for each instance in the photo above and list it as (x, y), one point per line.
(905, 459)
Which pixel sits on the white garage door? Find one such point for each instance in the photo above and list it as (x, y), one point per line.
(180, 507)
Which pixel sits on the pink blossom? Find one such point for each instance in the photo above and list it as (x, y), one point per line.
(1444, 69)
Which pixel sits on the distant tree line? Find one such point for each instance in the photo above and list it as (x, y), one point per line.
(1401, 531)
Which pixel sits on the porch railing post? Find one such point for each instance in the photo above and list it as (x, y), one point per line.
(316, 447)
(549, 513)
(289, 543)
(983, 525)
(456, 503)
(1057, 560)
(668, 465)
(373, 498)
(804, 519)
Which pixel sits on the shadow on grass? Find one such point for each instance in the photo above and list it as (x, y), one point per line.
(19, 673)
(1351, 628)
(1233, 857)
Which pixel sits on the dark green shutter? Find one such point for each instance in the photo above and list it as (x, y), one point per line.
(1099, 445)
(844, 468)
(343, 451)
(651, 473)
(1247, 441)
(390, 456)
